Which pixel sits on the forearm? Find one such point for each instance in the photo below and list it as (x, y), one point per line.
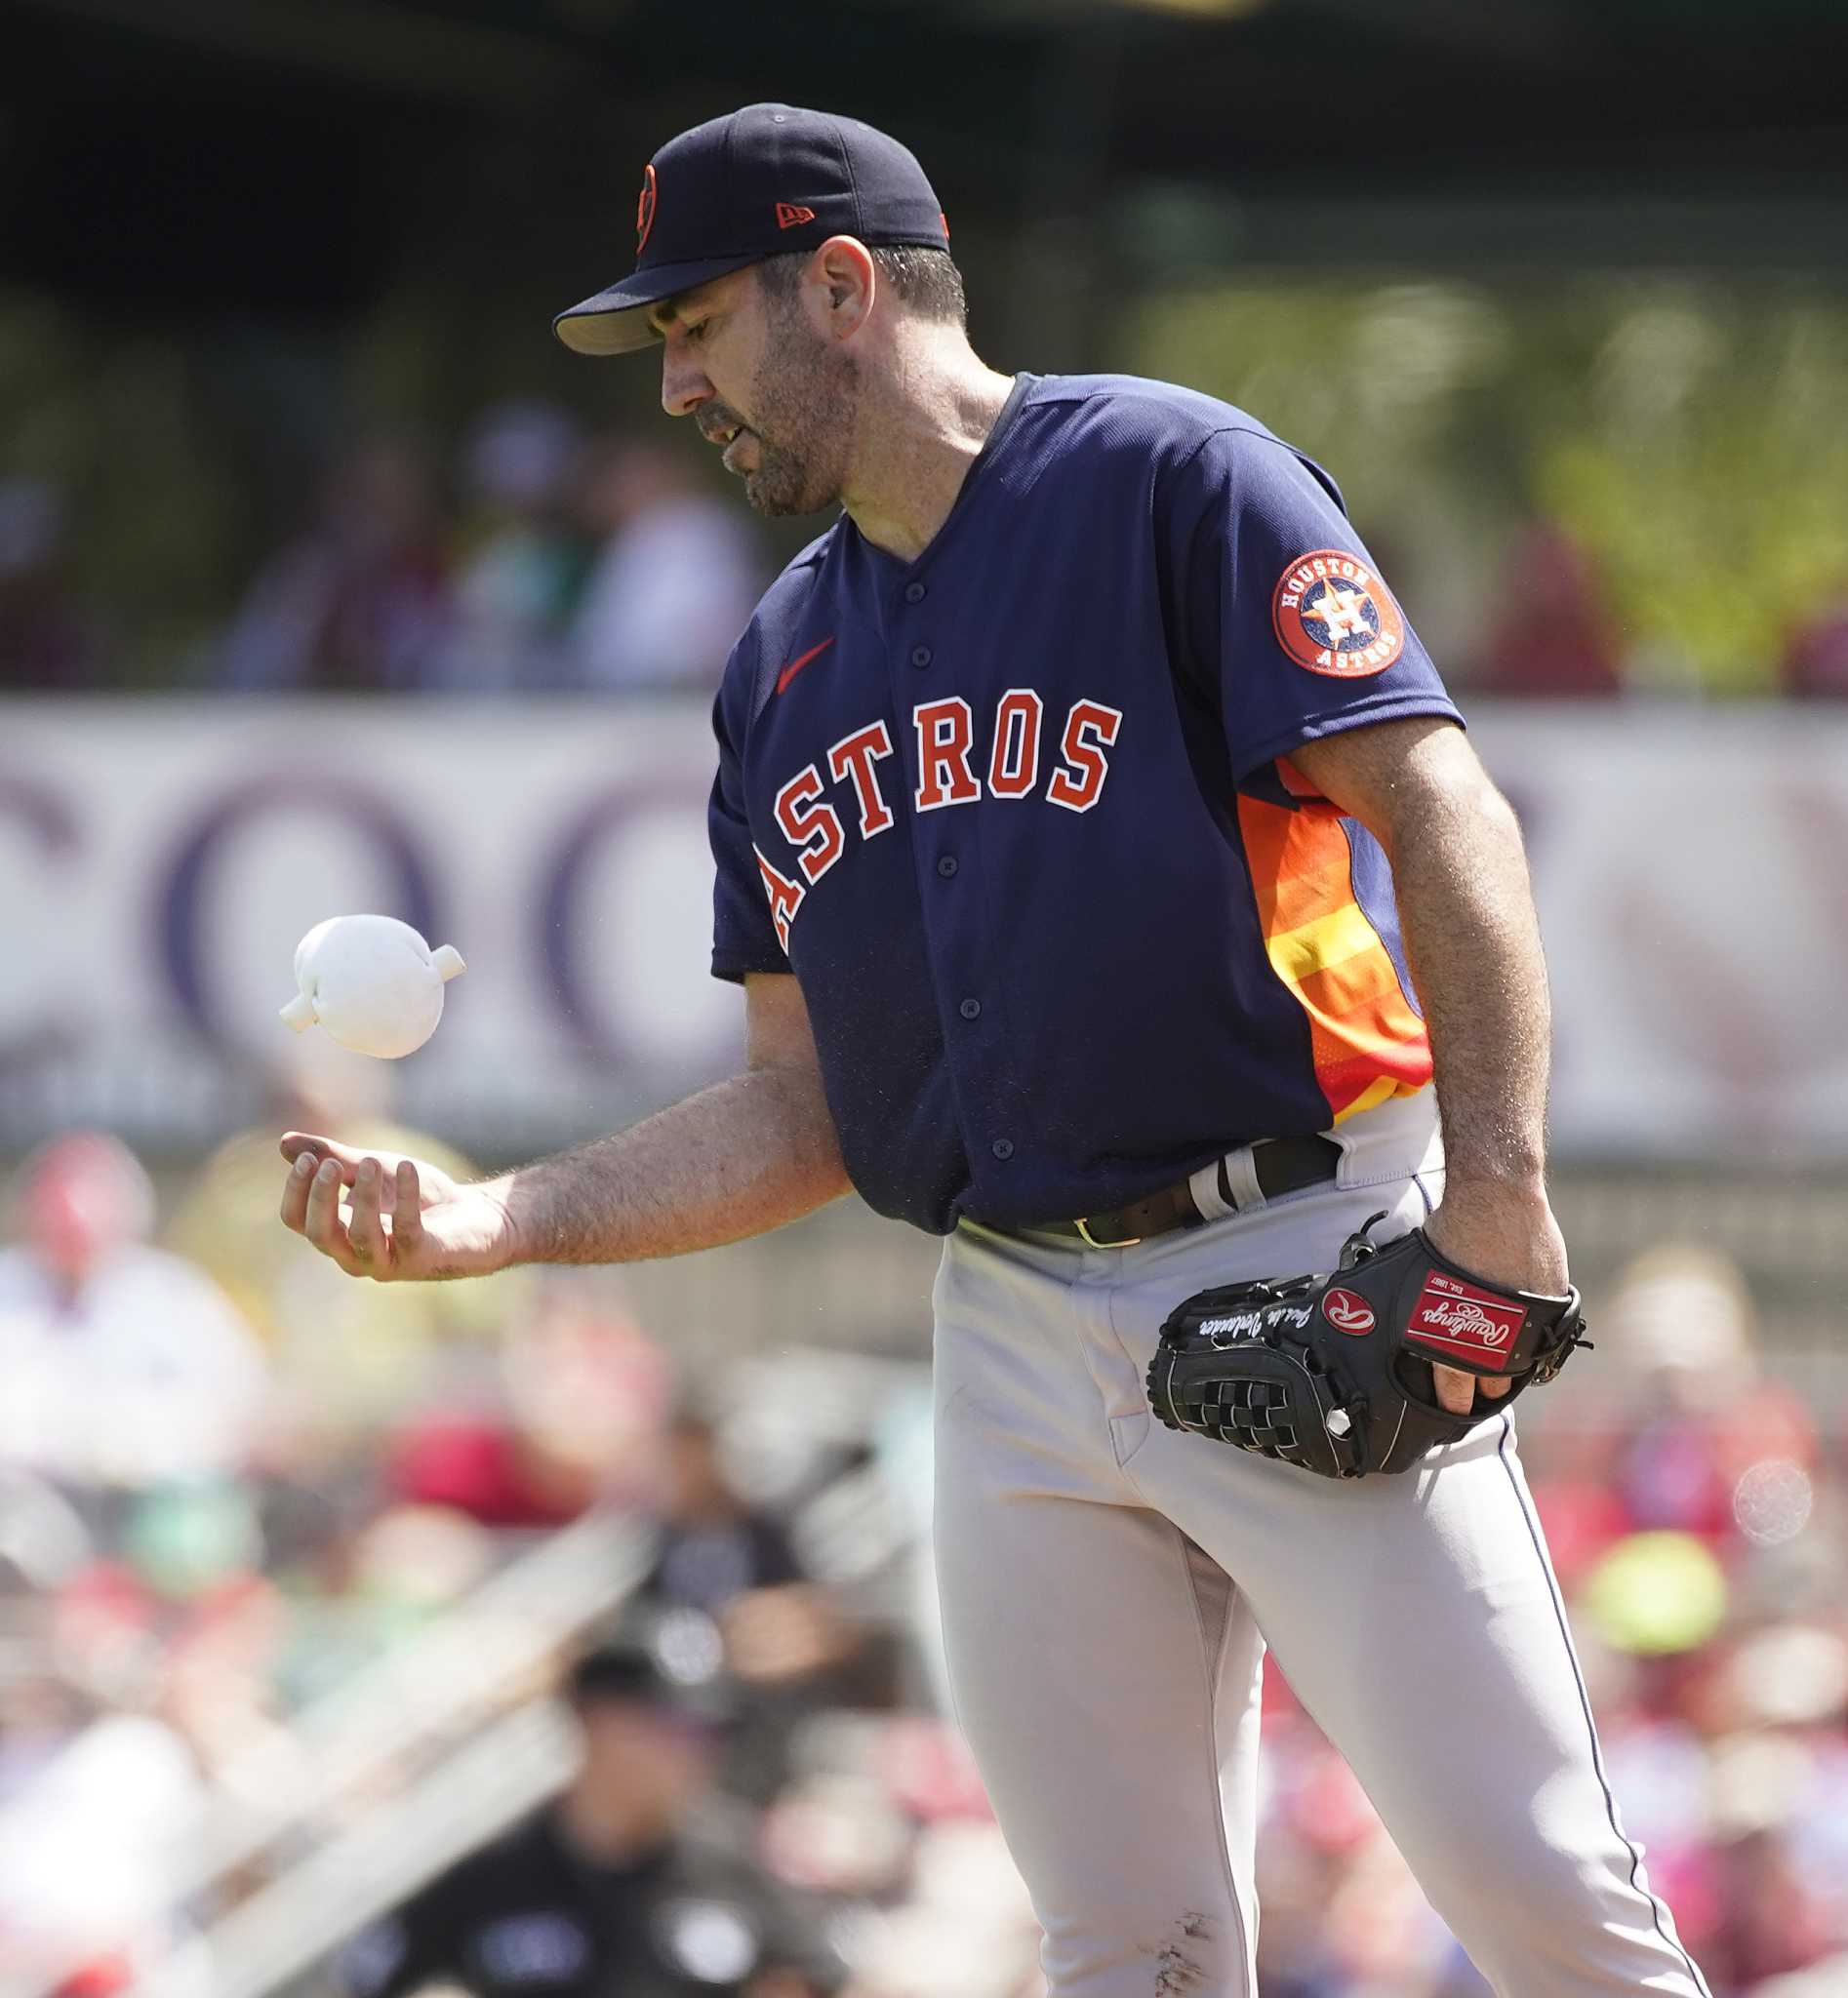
(1472, 942)
(742, 1157)
(1466, 915)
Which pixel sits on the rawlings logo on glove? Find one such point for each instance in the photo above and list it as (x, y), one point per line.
(1335, 1376)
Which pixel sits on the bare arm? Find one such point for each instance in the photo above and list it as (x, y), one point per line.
(743, 1156)
(1472, 940)
(740, 1158)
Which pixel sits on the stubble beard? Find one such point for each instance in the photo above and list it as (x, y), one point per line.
(806, 397)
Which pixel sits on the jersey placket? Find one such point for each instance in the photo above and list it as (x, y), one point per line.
(946, 854)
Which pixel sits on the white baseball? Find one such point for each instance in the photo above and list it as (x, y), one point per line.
(371, 982)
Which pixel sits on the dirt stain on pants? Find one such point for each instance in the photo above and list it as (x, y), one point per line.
(1178, 1969)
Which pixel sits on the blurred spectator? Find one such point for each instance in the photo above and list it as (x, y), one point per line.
(1816, 653)
(39, 1715)
(48, 640)
(1546, 629)
(90, 1847)
(92, 1842)
(730, 1591)
(349, 1358)
(715, 1546)
(43, 1540)
(523, 569)
(1706, 1586)
(570, 1416)
(359, 603)
(1696, 1505)
(722, 1558)
(1705, 1425)
(125, 1366)
(622, 1884)
(677, 578)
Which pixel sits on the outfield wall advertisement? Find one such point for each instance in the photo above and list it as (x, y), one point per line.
(159, 861)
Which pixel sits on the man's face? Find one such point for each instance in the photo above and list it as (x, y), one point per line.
(760, 379)
(639, 1755)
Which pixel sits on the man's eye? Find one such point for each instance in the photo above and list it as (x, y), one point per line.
(697, 333)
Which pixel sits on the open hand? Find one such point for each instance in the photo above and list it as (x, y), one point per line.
(393, 1218)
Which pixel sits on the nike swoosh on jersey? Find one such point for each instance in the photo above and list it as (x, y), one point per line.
(794, 667)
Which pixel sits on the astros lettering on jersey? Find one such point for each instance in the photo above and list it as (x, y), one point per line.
(1140, 604)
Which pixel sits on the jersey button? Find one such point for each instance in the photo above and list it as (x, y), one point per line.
(970, 1008)
(920, 654)
(916, 593)
(947, 866)
(1002, 1148)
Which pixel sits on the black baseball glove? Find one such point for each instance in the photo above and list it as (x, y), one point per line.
(1334, 1372)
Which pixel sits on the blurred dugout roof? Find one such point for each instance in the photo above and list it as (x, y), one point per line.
(166, 156)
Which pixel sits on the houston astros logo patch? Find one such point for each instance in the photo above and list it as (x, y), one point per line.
(1333, 616)
(645, 208)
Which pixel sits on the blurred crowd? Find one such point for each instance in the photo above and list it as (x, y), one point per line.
(234, 1482)
(543, 559)
(1697, 1510)
(1547, 630)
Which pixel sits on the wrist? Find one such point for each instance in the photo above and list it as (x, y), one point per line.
(1523, 1187)
(1500, 1233)
(512, 1246)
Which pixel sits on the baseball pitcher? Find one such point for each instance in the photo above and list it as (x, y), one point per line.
(1115, 895)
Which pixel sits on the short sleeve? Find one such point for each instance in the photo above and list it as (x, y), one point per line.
(743, 936)
(1290, 628)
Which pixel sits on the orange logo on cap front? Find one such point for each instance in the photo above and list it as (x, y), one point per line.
(645, 208)
(1333, 616)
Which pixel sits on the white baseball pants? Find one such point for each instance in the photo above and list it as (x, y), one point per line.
(1109, 1586)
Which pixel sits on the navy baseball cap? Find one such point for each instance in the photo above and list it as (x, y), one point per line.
(756, 184)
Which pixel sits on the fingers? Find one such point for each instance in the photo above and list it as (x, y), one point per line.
(323, 1226)
(321, 1221)
(1456, 1390)
(366, 1237)
(294, 1192)
(295, 1143)
(407, 1216)
(360, 1240)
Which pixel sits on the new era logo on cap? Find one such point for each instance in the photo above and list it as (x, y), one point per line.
(725, 195)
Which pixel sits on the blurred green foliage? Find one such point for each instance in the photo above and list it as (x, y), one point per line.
(1691, 434)
(1693, 437)
(103, 417)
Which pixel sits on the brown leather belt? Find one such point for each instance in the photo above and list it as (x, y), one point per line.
(1280, 1165)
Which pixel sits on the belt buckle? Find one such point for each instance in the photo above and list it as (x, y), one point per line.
(1083, 1226)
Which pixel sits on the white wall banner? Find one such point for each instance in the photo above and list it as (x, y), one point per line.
(159, 861)
(1691, 868)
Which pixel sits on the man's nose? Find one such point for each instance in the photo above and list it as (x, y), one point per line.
(683, 387)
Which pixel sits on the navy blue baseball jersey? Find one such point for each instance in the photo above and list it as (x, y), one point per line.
(1020, 816)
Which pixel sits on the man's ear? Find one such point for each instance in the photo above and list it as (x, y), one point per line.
(849, 284)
